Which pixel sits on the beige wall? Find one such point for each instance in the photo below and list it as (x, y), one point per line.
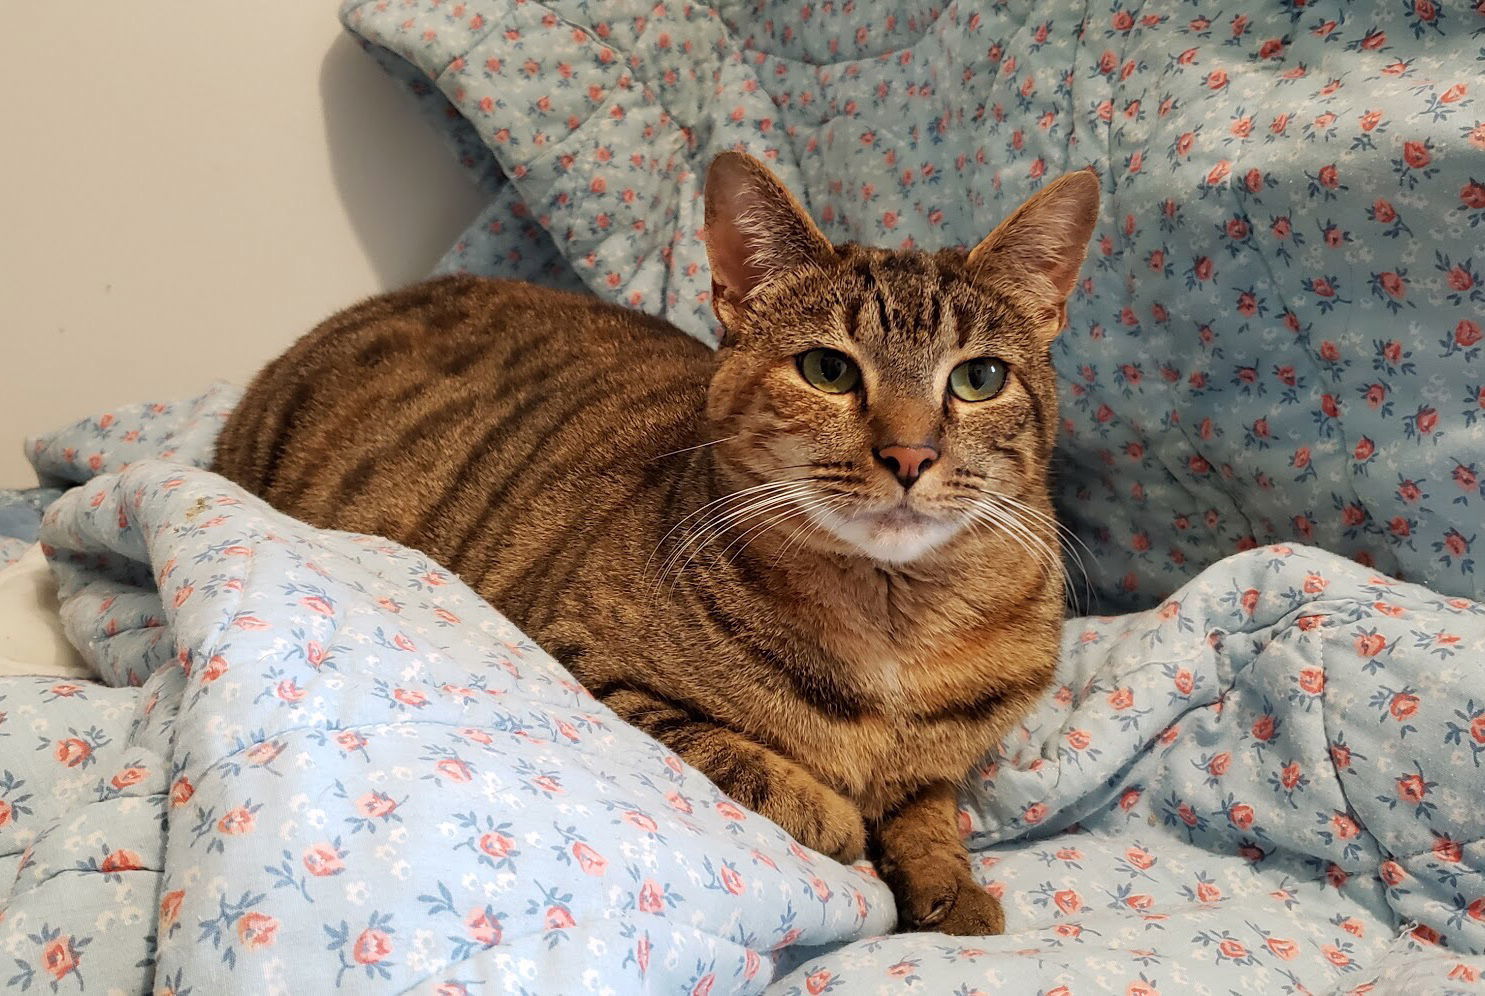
(185, 188)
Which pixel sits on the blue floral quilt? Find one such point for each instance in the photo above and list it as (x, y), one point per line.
(318, 761)
(1278, 337)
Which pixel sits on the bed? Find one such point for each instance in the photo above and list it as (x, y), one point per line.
(305, 759)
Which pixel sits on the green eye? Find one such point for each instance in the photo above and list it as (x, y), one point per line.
(977, 380)
(831, 371)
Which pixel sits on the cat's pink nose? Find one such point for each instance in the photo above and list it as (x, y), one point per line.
(906, 462)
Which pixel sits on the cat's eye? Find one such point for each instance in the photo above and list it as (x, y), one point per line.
(829, 370)
(977, 380)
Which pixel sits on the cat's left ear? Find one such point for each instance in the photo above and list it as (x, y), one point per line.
(755, 232)
(1038, 251)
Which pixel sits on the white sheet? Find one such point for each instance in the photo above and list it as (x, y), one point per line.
(31, 638)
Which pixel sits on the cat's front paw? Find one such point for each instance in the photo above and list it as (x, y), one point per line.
(818, 817)
(949, 902)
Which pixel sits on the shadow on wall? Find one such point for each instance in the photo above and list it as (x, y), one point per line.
(406, 198)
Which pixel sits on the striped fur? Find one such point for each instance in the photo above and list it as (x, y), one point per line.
(568, 459)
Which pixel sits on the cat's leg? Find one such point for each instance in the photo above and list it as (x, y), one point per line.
(758, 778)
(919, 854)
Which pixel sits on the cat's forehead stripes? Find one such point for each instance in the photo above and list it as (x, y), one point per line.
(878, 302)
(904, 289)
(918, 300)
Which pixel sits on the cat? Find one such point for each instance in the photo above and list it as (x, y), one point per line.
(817, 564)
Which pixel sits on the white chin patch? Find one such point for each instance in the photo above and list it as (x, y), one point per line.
(890, 538)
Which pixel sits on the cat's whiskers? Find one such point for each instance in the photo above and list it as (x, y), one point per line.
(718, 508)
(986, 512)
(842, 469)
(1065, 539)
(733, 496)
(719, 526)
(743, 491)
(1027, 515)
(1038, 514)
(698, 446)
(719, 523)
(699, 533)
(1050, 555)
(810, 504)
(837, 501)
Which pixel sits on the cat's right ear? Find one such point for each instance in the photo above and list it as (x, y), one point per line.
(755, 232)
(1040, 248)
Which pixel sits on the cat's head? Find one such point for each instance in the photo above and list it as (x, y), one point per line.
(891, 400)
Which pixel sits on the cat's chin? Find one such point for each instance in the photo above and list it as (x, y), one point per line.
(896, 536)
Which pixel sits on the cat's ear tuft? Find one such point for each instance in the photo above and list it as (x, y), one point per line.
(1040, 248)
(755, 232)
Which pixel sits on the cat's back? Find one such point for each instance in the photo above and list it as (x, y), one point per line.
(455, 409)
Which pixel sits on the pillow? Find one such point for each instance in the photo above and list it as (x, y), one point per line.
(1278, 334)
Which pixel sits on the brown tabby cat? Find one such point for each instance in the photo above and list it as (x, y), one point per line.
(814, 564)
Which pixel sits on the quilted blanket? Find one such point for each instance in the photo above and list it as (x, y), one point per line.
(318, 761)
(1278, 337)
(20, 520)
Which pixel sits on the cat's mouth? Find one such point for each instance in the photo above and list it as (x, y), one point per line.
(896, 518)
(897, 534)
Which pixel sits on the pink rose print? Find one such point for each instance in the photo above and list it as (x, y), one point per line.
(170, 905)
(128, 777)
(1068, 901)
(1412, 788)
(497, 845)
(121, 861)
(236, 822)
(372, 946)
(60, 958)
(73, 751)
(323, 860)
(257, 930)
(376, 805)
(483, 928)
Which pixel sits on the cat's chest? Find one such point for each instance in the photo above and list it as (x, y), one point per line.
(882, 758)
(905, 674)
(883, 732)
(927, 712)
(885, 678)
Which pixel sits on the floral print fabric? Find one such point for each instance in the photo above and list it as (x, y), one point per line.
(20, 520)
(319, 760)
(160, 430)
(1278, 336)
